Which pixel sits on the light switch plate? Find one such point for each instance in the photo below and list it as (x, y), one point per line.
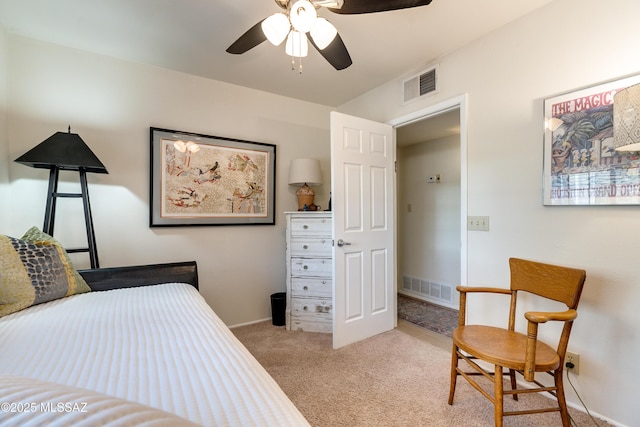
(478, 223)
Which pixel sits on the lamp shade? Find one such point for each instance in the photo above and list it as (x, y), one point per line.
(305, 171)
(297, 45)
(323, 33)
(626, 119)
(66, 151)
(275, 28)
(302, 16)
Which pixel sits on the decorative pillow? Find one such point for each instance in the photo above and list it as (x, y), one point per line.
(33, 270)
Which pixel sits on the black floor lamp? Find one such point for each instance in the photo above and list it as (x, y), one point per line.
(66, 151)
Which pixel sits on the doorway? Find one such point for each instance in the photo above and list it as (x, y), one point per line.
(431, 213)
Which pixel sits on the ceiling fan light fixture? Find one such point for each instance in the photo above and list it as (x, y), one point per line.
(323, 33)
(297, 44)
(275, 28)
(302, 16)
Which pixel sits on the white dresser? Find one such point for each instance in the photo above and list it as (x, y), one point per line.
(309, 271)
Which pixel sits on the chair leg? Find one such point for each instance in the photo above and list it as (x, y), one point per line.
(497, 397)
(562, 403)
(454, 373)
(512, 376)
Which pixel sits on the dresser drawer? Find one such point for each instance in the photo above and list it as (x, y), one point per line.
(311, 325)
(311, 267)
(310, 246)
(320, 308)
(310, 226)
(311, 288)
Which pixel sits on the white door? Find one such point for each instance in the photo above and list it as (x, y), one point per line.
(362, 196)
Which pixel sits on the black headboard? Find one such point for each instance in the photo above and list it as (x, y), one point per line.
(104, 279)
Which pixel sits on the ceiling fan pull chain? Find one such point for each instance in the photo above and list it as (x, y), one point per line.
(293, 64)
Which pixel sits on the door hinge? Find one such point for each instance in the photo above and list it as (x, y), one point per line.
(396, 165)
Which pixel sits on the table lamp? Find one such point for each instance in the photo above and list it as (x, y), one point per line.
(306, 173)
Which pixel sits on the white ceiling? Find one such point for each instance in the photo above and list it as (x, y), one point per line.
(191, 36)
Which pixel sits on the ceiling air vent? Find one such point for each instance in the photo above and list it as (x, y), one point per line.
(420, 85)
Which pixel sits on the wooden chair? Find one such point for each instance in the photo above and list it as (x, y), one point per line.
(507, 349)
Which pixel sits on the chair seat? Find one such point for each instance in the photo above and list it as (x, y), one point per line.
(503, 347)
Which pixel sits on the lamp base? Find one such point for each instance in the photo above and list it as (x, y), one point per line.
(309, 208)
(306, 195)
(305, 203)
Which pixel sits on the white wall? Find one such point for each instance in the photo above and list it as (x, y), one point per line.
(4, 143)
(111, 104)
(429, 241)
(565, 45)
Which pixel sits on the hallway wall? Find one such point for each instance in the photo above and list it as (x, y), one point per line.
(429, 219)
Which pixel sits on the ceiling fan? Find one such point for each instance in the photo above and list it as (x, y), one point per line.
(300, 24)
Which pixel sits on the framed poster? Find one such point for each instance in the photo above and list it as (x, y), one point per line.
(209, 180)
(581, 166)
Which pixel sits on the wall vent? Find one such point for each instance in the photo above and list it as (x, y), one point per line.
(431, 291)
(421, 84)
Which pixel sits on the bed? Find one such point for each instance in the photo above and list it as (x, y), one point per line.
(142, 348)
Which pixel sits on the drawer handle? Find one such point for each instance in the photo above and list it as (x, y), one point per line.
(305, 226)
(305, 267)
(305, 308)
(305, 247)
(324, 282)
(306, 288)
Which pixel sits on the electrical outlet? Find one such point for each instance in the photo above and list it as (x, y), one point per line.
(573, 358)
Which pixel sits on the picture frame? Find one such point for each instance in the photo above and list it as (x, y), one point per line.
(581, 166)
(204, 180)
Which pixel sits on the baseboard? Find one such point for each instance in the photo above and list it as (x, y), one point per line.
(249, 323)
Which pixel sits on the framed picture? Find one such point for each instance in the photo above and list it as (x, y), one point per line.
(209, 180)
(581, 166)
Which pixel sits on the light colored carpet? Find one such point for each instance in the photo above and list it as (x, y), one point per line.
(394, 379)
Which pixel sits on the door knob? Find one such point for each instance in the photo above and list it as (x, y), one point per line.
(342, 243)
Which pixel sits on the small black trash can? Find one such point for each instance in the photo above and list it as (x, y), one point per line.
(278, 306)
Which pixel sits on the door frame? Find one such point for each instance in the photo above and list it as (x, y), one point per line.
(460, 103)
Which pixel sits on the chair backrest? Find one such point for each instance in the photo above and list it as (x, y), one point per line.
(558, 283)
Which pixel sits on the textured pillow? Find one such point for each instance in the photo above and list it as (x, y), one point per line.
(33, 270)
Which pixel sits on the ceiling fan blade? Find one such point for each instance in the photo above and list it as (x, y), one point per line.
(336, 53)
(352, 7)
(252, 38)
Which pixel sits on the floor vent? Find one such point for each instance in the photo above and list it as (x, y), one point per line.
(422, 84)
(431, 291)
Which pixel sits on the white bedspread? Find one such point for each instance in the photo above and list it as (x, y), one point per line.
(161, 346)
